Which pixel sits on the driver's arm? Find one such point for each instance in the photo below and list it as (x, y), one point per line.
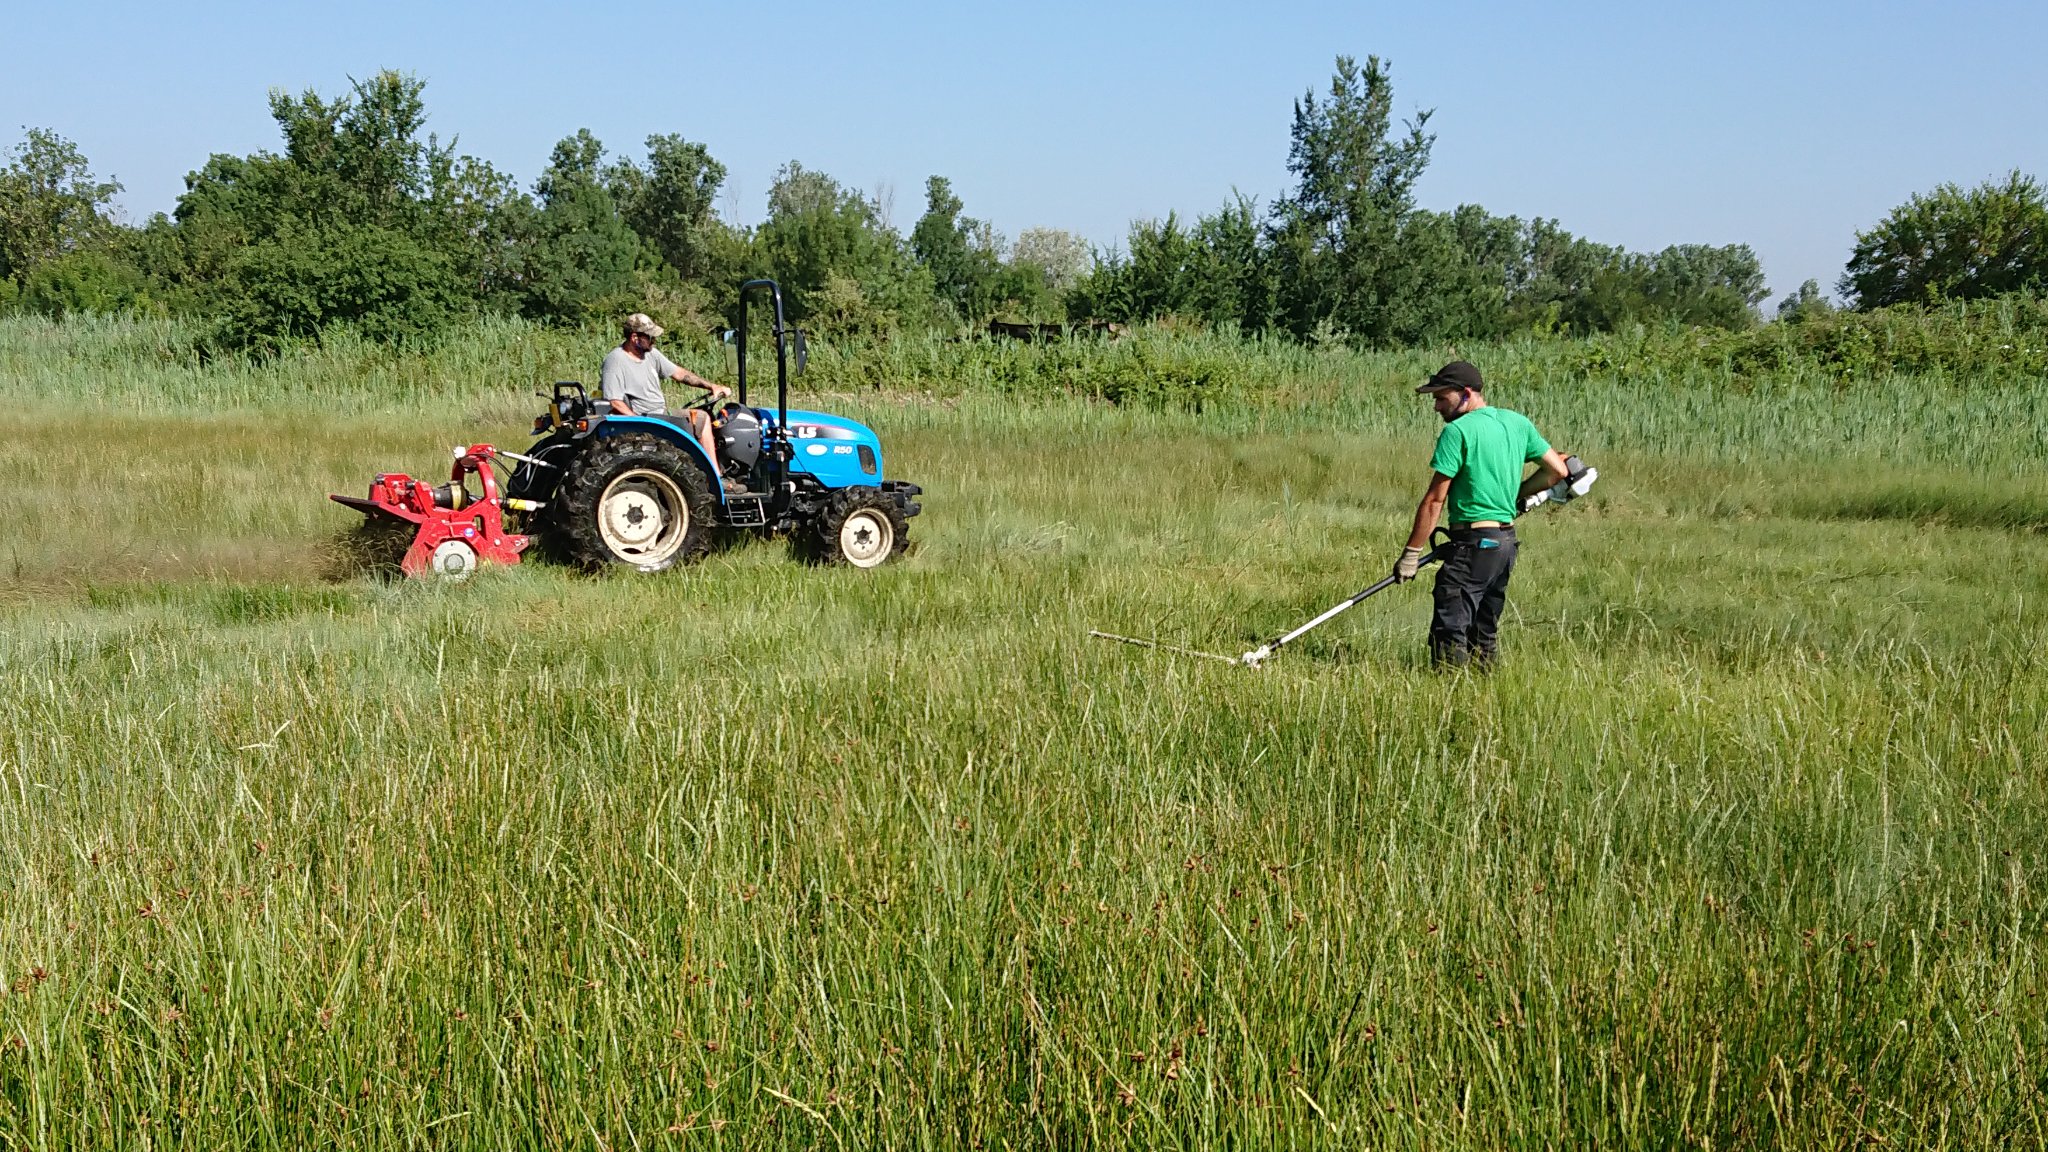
(683, 375)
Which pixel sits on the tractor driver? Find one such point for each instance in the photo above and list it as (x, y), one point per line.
(1477, 470)
(632, 375)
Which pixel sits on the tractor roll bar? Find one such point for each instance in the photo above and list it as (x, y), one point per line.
(781, 358)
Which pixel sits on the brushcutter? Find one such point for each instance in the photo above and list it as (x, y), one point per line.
(1265, 651)
(1577, 482)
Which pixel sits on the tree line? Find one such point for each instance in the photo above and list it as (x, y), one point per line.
(363, 220)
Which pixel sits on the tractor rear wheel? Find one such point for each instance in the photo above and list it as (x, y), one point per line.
(860, 526)
(634, 500)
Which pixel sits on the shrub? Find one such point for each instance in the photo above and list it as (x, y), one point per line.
(92, 282)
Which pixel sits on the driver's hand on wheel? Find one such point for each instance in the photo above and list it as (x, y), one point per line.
(1408, 565)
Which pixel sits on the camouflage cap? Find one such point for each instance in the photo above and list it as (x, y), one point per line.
(644, 325)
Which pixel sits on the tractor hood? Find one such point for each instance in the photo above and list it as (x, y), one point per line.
(838, 451)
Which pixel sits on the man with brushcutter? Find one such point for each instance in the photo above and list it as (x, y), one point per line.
(1478, 482)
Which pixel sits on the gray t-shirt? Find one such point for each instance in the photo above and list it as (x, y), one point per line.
(637, 382)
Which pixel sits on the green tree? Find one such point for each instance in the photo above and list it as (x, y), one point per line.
(1446, 279)
(1060, 257)
(669, 204)
(96, 280)
(961, 254)
(1232, 273)
(1952, 244)
(480, 218)
(1337, 234)
(382, 282)
(1217, 272)
(580, 252)
(818, 232)
(1703, 285)
(1805, 304)
(358, 159)
(1154, 276)
(1566, 283)
(51, 206)
(362, 221)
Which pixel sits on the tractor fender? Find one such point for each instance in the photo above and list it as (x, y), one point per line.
(663, 430)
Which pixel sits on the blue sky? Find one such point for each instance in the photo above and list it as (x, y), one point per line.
(1786, 126)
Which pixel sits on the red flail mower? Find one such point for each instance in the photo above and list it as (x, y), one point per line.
(456, 529)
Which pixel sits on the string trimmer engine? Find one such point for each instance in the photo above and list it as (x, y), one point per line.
(456, 529)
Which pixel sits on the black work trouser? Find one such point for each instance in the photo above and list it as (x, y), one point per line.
(1471, 590)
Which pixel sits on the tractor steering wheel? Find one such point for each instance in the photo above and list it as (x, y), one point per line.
(710, 402)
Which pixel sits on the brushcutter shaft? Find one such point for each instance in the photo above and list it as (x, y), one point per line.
(1352, 602)
(1251, 659)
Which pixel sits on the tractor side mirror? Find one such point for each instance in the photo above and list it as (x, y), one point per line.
(803, 353)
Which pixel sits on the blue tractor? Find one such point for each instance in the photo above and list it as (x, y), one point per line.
(600, 489)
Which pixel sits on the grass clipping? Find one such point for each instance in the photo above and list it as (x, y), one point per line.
(373, 548)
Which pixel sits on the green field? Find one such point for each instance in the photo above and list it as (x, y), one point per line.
(1742, 846)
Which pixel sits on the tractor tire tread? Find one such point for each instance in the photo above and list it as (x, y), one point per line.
(576, 537)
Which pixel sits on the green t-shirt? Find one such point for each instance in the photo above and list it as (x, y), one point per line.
(1483, 453)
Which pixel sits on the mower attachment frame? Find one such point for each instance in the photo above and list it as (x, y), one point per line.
(456, 530)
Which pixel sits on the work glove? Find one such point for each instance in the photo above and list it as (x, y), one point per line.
(1564, 491)
(1408, 565)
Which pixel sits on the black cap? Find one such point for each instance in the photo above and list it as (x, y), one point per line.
(1456, 374)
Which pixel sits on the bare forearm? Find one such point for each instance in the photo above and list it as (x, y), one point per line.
(1549, 470)
(1427, 513)
(685, 376)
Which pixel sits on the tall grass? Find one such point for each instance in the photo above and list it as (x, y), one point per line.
(1739, 848)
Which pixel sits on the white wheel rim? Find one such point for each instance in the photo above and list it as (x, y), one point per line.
(866, 538)
(642, 517)
(452, 560)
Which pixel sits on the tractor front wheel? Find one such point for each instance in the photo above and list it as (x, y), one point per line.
(860, 526)
(634, 500)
